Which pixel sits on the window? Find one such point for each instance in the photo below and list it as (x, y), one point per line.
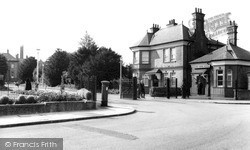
(136, 57)
(166, 53)
(172, 79)
(12, 66)
(145, 80)
(145, 57)
(173, 54)
(219, 78)
(169, 55)
(248, 82)
(229, 78)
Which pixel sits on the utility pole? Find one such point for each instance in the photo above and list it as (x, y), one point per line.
(120, 85)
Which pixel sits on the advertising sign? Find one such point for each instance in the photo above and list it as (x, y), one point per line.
(215, 26)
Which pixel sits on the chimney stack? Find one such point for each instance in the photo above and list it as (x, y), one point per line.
(172, 22)
(155, 28)
(17, 56)
(198, 18)
(232, 33)
(8, 51)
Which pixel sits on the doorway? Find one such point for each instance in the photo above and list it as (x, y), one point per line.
(201, 85)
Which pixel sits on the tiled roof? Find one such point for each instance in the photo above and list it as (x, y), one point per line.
(9, 56)
(228, 52)
(145, 41)
(170, 34)
(165, 35)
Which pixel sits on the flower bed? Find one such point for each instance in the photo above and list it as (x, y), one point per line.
(29, 102)
(47, 107)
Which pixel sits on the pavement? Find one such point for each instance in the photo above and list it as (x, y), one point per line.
(44, 118)
(101, 112)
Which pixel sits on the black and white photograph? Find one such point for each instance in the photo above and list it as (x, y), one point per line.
(124, 75)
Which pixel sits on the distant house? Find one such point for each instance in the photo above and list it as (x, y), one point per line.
(166, 53)
(13, 65)
(221, 72)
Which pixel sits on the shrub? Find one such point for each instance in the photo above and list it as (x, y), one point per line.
(21, 100)
(84, 93)
(4, 100)
(30, 99)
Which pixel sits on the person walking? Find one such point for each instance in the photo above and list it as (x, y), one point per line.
(28, 85)
(142, 89)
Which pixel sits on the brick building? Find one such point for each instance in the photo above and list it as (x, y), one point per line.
(13, 65)
(166, 53)
(220, 72)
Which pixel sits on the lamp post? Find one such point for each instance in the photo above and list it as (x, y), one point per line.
(120, 86)
(37, 69)
(43, 74)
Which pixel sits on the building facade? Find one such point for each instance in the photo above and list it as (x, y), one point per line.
(13, 65)
(166, 53)
(221, 72)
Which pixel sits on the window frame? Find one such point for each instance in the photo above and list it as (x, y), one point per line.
(166, 51)
(230, 75)
(136, 57)
(171, 54)
(217, 78)
(143, 60)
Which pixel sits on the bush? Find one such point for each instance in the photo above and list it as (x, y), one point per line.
(30, 99)
(21, 100)
(4, 100)
(84, 94)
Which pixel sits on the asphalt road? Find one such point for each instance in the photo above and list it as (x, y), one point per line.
(157, 124)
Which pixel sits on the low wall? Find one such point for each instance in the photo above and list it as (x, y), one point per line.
(46, 107)
(243, 94)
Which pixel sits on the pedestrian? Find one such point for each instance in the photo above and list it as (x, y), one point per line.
(28, 85)
(142, 89)
(139, 90)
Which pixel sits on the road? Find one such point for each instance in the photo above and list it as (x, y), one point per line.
(157, 124)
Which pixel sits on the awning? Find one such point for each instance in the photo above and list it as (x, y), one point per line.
(200, 71)
(154, 71)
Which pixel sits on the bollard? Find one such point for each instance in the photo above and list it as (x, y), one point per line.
(168, 88)
(105, 85)
(134, 97)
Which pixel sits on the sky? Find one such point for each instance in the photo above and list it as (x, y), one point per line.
(116, 24)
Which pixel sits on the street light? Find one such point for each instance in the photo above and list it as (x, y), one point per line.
(37, 68)
(120, 86)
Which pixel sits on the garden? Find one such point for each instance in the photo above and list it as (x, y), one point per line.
(17, 101)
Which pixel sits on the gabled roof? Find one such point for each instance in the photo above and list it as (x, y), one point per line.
(166, 35)
(9, 56)
(227, 52)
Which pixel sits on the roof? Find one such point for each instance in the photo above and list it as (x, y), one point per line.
(145, 40)
(227, 52)
(165, 35)
(170, 34)
(9, 56)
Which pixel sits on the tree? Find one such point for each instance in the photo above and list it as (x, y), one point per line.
(26, 69)
(105, 65)
(54, 67)
(88, 42)
(3, 68)
(127, 71)
(78, 59)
